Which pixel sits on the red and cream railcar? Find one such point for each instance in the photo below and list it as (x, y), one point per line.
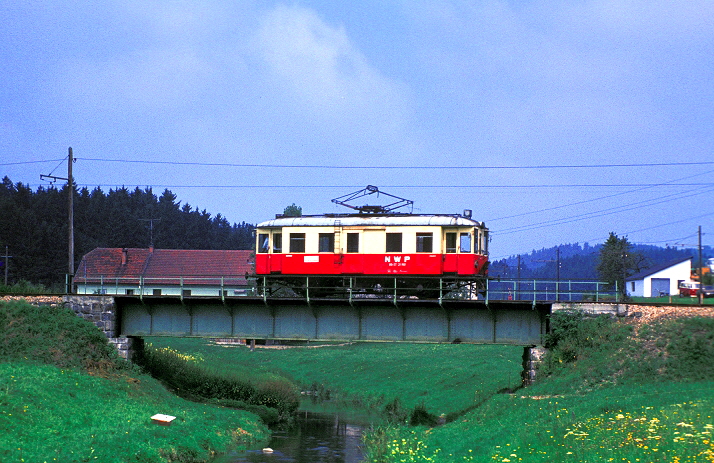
(372, 248)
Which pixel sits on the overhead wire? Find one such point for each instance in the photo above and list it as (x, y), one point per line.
(297, 166)
(669, 183)
(603, 212)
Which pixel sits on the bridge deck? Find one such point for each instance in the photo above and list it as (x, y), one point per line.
(412, 320)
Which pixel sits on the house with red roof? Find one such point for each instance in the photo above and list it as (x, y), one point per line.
(165, 272)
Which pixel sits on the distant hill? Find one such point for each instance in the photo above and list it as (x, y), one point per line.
(579, 261)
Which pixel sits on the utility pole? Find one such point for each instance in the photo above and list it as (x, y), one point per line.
(557, 271)
(518, 283)
(700, 294)
(6, 263)
(151, 230)
(70, 218)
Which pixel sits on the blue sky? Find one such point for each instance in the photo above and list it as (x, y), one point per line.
(554, 121)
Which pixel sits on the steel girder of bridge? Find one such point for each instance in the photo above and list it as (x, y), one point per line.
(498, 322)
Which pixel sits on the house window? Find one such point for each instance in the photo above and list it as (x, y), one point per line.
(632, 288)
(157, 292)
(353, 242)
(186, 292)
(277, 243)
(394, 242)
(263, 242)
(424, 242)
(129, 292)
(326, 242)
(451, 242)
(465, 243)
(297, 242)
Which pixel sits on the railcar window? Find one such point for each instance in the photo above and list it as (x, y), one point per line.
(326, 242)
(394, 242)
(277, 243)
(297, 242)
(451, 242)
(424, 242)
(353, 242)
(465, 243)
(263, 242)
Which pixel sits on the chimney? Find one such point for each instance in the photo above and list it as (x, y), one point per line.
(151, 249)
(124, 256)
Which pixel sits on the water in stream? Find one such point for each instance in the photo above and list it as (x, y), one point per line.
(315, 438)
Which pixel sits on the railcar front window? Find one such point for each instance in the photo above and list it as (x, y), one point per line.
(424, 242)
(353, 242)
(263, 242)
(394, 242)
(465, 243)
(277, 243)
(297, 242)
(451, 242)
(326, 242)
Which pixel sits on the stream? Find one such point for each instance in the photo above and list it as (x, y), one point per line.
(315, 438)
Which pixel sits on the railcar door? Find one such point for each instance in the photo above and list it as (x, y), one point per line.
(451, 262)
(465, 253)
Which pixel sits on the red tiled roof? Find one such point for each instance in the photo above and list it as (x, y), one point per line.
(131, 263)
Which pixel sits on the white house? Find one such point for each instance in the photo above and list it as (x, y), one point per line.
(660, 280)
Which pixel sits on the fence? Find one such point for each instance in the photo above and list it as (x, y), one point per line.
(352, 288)
(550, 290)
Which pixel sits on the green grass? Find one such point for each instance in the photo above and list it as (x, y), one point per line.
(605, 393)
(610, 397)
(675, 299)
(444, 378)
(663, 422)
(52, 414)
(65, 396)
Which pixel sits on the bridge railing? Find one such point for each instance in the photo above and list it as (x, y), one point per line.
(551, 290)
(172, 285)
(397, 288)
(454, 288)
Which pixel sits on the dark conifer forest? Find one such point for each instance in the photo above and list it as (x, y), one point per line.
(34, 227)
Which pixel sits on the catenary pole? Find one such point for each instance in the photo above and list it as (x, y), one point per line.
(70, 219)
(701, 270)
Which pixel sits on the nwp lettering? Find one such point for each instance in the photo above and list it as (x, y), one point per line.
(397, 259)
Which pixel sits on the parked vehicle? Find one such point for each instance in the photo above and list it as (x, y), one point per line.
(692, 290)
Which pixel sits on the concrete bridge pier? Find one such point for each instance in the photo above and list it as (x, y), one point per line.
(532, 358)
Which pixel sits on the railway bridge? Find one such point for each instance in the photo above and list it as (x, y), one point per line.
(125, 320)
(408, 320)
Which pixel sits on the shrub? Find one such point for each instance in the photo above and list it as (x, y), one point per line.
(421, 417)
(272, 400)
(24, 287)
(393, 412)
(690, 349)
(601, 343)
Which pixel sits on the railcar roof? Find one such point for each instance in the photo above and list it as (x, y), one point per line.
(371, 220)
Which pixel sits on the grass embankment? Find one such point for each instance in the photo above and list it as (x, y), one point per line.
(609, 391)
(66, 397)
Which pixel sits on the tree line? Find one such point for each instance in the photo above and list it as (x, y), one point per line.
(34, 227)
(612, 261)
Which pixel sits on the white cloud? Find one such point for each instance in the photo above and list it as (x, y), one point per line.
(322, 68)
